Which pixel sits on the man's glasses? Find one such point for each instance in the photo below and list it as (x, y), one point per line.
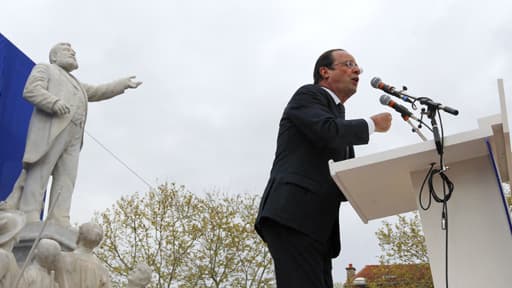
(349, 64)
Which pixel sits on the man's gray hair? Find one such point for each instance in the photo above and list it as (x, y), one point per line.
(55, 49)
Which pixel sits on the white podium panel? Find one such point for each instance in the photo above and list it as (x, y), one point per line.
(479, 238)
(380, 185)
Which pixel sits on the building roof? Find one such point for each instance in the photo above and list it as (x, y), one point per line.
(396, 275)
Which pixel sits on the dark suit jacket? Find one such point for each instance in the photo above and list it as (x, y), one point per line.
(300, 192)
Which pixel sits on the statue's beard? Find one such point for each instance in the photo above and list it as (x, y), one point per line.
(68, 64)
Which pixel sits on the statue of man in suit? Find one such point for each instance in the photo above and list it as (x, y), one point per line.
(55, 133)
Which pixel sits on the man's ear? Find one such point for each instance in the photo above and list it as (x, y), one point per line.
(324, 72)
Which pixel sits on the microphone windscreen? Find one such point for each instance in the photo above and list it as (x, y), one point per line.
(375, 82)
(384, 99)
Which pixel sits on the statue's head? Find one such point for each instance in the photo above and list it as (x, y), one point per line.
(11, 223)
(89, 235)
(140, 276)
(46, 253)
(64, 56)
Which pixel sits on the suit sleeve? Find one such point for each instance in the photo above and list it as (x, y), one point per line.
(36, 89)
(309, 111)
(105, 91)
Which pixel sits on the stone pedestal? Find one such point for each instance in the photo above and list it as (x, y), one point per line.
(65, 236)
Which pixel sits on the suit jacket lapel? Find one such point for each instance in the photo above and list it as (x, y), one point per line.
(341, 110)
(337, 109)
(72, 79)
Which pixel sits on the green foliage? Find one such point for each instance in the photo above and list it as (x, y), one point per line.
(404, 259)
(189, 241)
(508, 195)
(230, 254)
(402, 241)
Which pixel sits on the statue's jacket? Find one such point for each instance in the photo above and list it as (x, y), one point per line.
(46, 85)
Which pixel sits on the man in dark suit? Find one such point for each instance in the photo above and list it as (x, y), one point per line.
(299, 210)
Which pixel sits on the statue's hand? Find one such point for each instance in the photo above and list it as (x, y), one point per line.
(131, 83)
(60, 108)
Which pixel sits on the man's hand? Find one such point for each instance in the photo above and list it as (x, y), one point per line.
(131, 83)
(60, 108)
(382, 121)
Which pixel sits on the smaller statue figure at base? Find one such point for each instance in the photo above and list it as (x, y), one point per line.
(41, 272)
(11, 223)
(81, 268)
(140, 277)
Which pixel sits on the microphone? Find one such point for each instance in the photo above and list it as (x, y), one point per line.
(406, 114)
(378, 84)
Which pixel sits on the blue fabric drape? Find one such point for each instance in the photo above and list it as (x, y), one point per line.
(15, 113)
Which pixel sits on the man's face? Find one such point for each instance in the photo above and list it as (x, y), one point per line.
(65, 58)
(343, 76)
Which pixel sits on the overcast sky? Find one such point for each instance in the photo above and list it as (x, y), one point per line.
(217, 75)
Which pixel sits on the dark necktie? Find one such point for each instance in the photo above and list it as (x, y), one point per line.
(341, 113)
(341, 110)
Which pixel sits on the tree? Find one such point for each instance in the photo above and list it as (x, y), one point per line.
(508, 196)
(189, 241)
(402, 241)
(160, 228)
(230, 254)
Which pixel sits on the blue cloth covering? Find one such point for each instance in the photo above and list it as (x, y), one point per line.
(15, 113)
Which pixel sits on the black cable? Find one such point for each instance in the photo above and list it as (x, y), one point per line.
(445, 217)
(442, 137)
(433, 195)
(425, 125)
(413, 104)
(446, 181)
(425, 208)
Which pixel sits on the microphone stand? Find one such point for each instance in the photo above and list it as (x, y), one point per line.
(432, 109)
(415, 129)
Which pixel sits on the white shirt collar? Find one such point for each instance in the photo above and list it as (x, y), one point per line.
(334, 97)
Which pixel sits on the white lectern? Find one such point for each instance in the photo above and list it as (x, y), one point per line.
(480, 230)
